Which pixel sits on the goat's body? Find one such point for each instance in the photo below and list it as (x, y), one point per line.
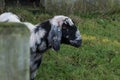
(9, 17)
(38, 44)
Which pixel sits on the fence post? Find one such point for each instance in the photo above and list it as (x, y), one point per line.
(14, 52)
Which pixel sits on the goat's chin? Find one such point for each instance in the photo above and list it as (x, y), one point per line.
(76, 43)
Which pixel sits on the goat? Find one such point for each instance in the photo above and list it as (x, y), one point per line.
(50, 34)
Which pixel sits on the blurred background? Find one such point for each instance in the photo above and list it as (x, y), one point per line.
(66, 6)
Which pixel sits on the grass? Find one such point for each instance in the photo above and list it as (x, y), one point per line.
(97, 59)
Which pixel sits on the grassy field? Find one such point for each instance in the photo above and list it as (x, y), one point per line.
(97, 59)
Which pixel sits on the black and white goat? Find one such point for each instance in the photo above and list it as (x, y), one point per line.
(50, 34)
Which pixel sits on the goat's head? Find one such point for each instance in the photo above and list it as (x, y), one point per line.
(64, 31)
(70, 33)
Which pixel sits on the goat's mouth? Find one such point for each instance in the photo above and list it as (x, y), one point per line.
(76, 43)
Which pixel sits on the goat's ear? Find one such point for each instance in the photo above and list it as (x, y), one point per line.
(54, 37)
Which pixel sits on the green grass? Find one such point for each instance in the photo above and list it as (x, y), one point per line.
(97, 59)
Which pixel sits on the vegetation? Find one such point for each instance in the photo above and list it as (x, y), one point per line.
(97, 59)
(65, 6)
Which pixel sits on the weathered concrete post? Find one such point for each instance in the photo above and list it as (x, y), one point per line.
(14, 52)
